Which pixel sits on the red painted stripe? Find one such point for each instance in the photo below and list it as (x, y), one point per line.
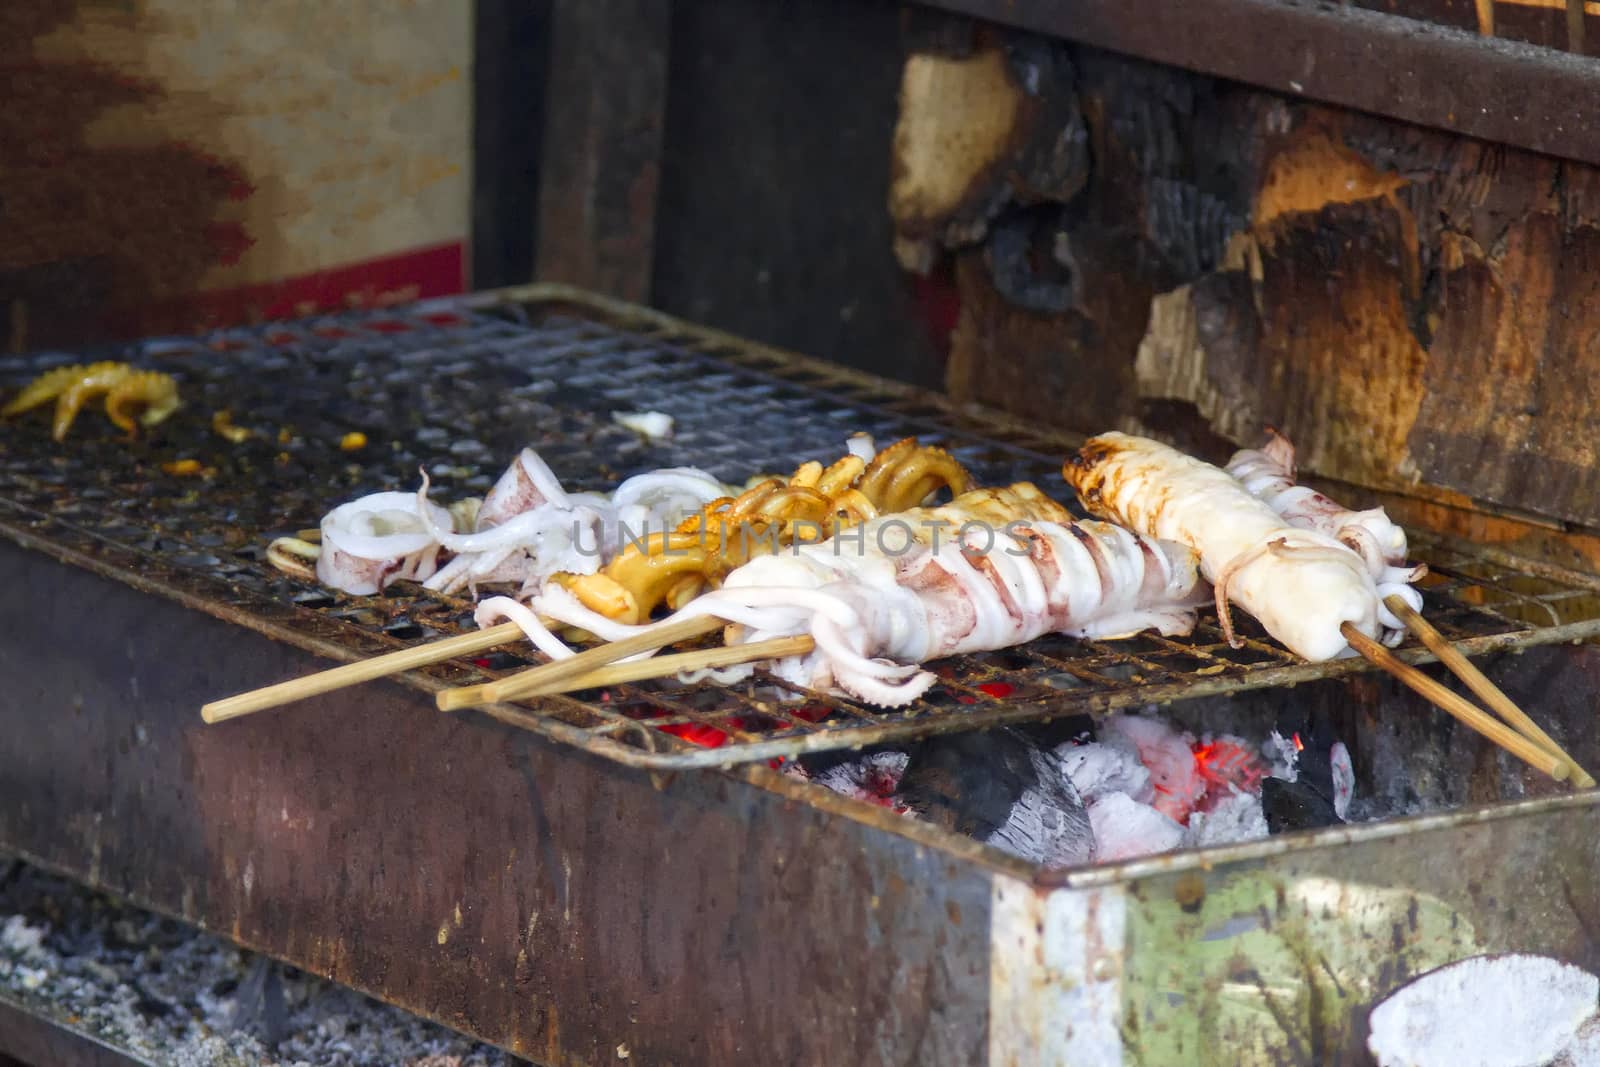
(383, 282)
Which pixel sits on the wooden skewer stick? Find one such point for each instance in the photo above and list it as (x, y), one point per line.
(699, 659)
(537, 679)
(1458, 706)
(1482, 687)
(355, 673)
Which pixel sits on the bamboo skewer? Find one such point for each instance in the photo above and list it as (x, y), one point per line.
(1455, 704)
(1482, 687)
(665, 666)
(538, 679)
(355, 673)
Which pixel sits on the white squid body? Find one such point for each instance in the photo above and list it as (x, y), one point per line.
(877, 613)
(1301, 584)
(378, 539)
(1268, 473)
(527, 528)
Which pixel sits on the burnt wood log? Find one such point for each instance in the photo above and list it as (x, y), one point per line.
(1418, 311)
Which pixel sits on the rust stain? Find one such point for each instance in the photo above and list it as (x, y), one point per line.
(1189, 890)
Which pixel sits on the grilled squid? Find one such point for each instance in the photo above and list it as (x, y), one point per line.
(1301, 584)
(133, 397)
(378, 539)
(525, 529)
(529, 527)
(993, 568)
(673, 566)
(1268, 473)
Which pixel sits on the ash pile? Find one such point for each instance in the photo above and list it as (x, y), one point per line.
(160, 991)
(1084, 791)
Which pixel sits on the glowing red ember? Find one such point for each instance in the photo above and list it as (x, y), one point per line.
(1224, 762)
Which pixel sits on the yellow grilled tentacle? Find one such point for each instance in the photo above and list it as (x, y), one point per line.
(814, 503)
(133, 397)
(148, 395)
(96, 381)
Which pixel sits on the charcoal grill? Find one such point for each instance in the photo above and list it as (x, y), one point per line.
(567, 908)
(460, 389)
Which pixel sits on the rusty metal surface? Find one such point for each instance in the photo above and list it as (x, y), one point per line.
(547, 366)
(542, 899)
(1429, 74)
(561, 906)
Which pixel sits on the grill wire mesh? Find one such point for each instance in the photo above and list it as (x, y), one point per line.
(459, 387)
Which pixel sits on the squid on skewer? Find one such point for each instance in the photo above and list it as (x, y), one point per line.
(525, 529)
(1302, 584)
(1268, 473)
(994, 568)
(816, 502)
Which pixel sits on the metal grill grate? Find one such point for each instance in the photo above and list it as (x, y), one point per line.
(461, 386)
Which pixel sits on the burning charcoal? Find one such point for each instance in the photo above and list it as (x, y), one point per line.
(1231, 819)
(1283, 757)
(1229, 765)
(1320, 791)
(1174, 773)
(1098, 770)
(1002, 789)
(1488, 1011)
(873, 777)
(1125, 828)
(1296, 806)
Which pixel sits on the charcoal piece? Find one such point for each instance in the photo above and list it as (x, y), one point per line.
(873, 777)
(258, 1005)
(1295, 806)
(148, 1005)
(1003, 789)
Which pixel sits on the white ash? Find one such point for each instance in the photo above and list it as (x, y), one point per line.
(1344, 778)
(1099, 769)
(1584, 1051)
(1283, 757)
(1168, 754)
(1234, 818)
(1125, 829)
(21, 941)
(1487, 1011)
(165, 991)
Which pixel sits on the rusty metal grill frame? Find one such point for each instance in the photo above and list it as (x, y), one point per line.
(514, 351)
